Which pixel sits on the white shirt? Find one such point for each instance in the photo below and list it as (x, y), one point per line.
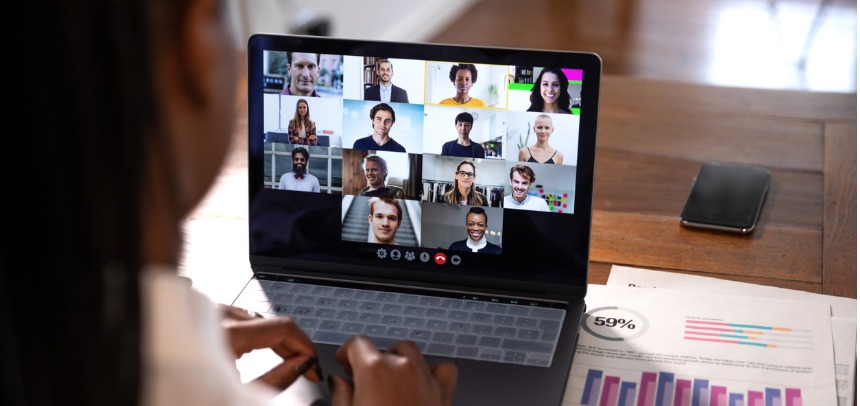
(309, 183)
(185, 355)
(385, 92)
(529, 203)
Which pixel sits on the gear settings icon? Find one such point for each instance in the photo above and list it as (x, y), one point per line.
(381, 253)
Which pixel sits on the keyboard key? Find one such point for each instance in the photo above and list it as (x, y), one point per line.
(263, 284)
(375, 330)
(443, 337)
(413, 311)
(504, 320)
(301, 288)
(324, 313)
(497, 308)
(369, 318)
(326, 302)
(435, 313)
(352, 328)
(528, 334)
(343, 293)
(364, 295)
(467, 352)
(512, 344)
(389, 308)
(283, 298)
(458, 315)
(473, 306)
(331, 325)
(420, 335)
(466, 339)
(451, 304)
(322, 291)
(502, 331)
(490, 354)
(397, 332)
(391, 320)
(279, 287)
(538, 360)
(369, 306)
(429, 301)
(282, 310)
(459, 327)
(386, 297)
(517, 357)
(303, 311)
(308, 323)
(413, 322)
(348, 304)
(519, 310)
(526, 322)
(440, 349)
(437, 324)
(332, 337)
(408, 299)
(481, 317)
(348, 315)
(304, 300)
(482, 329)
(489, 342)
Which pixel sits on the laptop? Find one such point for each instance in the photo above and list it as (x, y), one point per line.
(432, 205)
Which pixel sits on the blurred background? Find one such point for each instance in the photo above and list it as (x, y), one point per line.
(772, 44)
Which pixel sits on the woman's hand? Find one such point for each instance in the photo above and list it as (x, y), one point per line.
(247, 331)
(400, 376)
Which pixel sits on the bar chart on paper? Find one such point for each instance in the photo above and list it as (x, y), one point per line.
(668, 389)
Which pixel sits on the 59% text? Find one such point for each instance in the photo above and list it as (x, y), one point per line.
(614, 322)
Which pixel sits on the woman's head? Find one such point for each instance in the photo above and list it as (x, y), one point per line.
(302, 108)
(543, 127)
(465, 174)
(550, 88)
(463, 76)
(476, 223)
(145, 84)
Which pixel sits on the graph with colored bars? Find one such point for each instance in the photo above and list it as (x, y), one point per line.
(748, 334)
(663, 389)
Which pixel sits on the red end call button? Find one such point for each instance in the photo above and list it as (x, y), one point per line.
(440, 258)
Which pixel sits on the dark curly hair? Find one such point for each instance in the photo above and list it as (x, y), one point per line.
(563, 98)
(461, 66)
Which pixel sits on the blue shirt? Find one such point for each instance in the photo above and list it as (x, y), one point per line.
(474, 150)
(370, 144)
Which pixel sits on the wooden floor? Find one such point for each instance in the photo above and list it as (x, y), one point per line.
(795, 44)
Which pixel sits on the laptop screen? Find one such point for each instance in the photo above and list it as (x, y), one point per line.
(421, 162)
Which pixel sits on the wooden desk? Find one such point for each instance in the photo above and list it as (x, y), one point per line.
(653, 136)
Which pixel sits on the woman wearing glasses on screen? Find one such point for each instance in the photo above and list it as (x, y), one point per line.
(464, 191)
(549, 93)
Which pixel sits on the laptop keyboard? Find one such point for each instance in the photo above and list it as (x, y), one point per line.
(442, 326)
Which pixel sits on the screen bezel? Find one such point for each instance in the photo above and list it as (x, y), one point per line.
(571, 280)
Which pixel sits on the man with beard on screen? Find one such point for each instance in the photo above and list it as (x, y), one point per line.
(300, 179)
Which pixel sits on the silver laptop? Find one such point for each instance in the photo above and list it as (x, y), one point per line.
(419, 192)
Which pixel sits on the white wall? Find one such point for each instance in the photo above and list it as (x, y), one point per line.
(393, 20)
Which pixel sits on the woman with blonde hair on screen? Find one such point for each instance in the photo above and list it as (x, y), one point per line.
(541, 151)
(464, 191)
